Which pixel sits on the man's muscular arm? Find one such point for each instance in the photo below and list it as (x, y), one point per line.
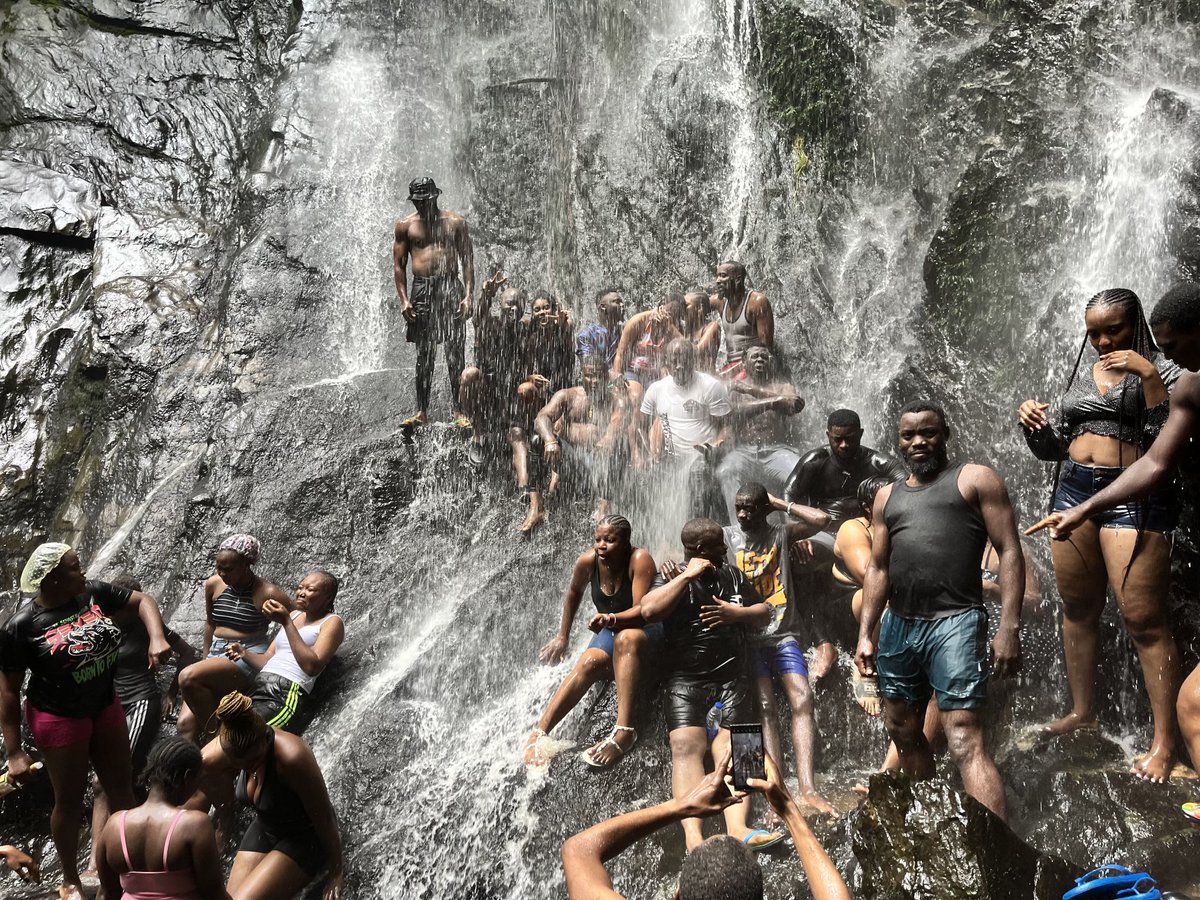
(466, 255)
(543, 424)
(400, 268)
(1001, 523)
(759, 308)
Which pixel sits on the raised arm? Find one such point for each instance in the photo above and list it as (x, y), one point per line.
(585, 853)
(875, 586)
(811, 519)
(312, 660)
(661, 601)
(556, 648)
(1001, 524)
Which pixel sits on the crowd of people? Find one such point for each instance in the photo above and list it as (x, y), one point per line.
(788, 554)
(94, 702)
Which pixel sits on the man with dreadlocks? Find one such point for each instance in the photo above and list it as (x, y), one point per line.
(1108, 416)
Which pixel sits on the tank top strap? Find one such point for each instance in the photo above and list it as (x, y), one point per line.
(170, 832)
(124, 846)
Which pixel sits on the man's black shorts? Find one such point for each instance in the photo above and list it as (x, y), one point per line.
(435, 300)
(687, 701)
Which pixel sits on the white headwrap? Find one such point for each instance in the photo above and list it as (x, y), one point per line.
(43, 561)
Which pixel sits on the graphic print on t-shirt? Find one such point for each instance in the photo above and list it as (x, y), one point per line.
(761, 568)
(90, 639)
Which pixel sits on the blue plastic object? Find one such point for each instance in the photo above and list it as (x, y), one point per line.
(1114, 883)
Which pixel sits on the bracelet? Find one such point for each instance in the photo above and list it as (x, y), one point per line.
(789, 510)
(552, 444)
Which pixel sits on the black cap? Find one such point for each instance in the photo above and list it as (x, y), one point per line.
(422, 189)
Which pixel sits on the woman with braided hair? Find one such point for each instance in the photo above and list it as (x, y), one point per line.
(294, 834)
(619, 575)
(161, 832)
(234, 598)
(1108, 416)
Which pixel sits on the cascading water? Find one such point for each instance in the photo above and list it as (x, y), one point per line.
(928, 192)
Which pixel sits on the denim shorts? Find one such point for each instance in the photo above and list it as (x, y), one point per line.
(1158, 512)
(217, 651)
(784, 658)
(917, 658)
(606, 637)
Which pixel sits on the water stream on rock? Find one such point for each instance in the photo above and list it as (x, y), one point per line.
(927, 191)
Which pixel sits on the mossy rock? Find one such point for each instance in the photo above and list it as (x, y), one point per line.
(810, 73)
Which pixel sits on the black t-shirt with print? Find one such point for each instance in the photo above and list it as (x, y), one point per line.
(70, 650)
(696, 651)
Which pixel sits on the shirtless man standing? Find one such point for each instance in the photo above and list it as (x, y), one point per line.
(439, 304)
(762, 406)
(746, 317)
(591, 425)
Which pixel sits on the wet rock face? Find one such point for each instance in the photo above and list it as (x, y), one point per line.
(929, 842)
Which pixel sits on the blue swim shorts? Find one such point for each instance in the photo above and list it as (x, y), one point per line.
(784, 658)
(605, 637)
(918, 658)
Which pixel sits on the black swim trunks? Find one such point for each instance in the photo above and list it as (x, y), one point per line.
(688, 701)
(435, 299)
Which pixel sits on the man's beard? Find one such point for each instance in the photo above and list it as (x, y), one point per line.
(930, 465)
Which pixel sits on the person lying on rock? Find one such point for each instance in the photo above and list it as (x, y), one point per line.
(309, 635)
(619, 575)
(720, 868)
(707, 608)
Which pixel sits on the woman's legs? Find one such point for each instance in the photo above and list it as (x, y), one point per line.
(68, 770)
(629, 650)
(203, 684)
(1141, 593)
(1082, 580)
(265, 876)
(591, 666)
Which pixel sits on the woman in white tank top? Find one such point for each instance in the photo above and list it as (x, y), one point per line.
(306, 642)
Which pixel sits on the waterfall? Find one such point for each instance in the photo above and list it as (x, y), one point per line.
(928, 192)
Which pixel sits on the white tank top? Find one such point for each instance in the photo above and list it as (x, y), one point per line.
(283, 662)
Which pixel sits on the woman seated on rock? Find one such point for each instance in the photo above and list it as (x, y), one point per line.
(620, 575)
(1110, 412)
(233, 604)
(160, 849)
(306, 642)
(294, 834)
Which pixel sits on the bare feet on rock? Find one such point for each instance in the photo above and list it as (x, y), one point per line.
(533, 756)
(532, 521)
(1070, 722)
(819, 803)
(1156, 765)
(70, 892)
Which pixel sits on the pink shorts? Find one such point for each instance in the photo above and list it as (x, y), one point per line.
(50, 730)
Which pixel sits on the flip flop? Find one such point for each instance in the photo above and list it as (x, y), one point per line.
(1192, 811)
(464, 423)
(413, 421)
(865, 688)
(765, 844)
(587, 757)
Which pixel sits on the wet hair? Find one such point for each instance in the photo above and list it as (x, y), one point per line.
(171, 764)
(125, 581)
(695, 530)
(868, 488)
(332, 582)
(844, 418)
(1179, 308)
(620, 525)
(923, 406)
(738, 268)
(682, 342)
(545, 295)
(240, 729)
(722, 867)
(604, 292)
(752, 490)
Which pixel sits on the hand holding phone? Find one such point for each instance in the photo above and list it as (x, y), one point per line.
(746, 742)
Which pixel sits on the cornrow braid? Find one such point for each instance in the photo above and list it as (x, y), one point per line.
(620, 524)
(240, 729)
(171, 763)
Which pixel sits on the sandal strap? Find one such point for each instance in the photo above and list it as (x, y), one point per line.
(617, 728)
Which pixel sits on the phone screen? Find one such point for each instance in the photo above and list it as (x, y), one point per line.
(747, 754)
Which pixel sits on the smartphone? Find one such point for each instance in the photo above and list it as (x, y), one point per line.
(748, 754)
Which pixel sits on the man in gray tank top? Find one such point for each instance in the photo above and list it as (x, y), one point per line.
(930, 532)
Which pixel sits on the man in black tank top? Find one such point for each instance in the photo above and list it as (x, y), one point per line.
(930, 532)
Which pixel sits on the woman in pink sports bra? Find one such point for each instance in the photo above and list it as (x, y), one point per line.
(159, 850)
